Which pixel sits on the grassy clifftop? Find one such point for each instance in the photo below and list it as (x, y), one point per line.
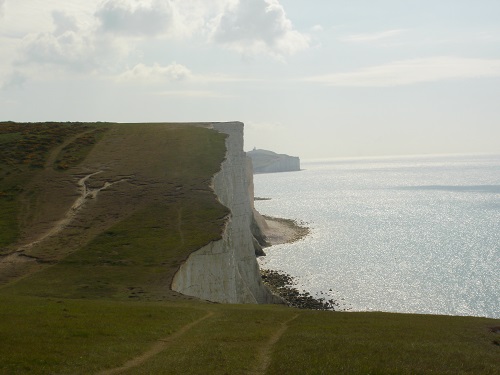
(145, 204)
(94, 221)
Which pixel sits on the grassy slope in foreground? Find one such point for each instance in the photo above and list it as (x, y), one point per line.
(103, 303)
(74, 336)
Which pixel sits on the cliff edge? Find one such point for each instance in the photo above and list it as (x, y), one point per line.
(226, 270)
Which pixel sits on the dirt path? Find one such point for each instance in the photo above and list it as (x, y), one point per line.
(86, 193)
(158, 347)
(266, 351)
(8, 262)
(20, 263)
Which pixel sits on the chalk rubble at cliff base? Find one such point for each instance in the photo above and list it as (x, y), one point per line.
(279, 231)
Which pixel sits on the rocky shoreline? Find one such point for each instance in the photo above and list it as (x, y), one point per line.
(280, 231)
(281, 284)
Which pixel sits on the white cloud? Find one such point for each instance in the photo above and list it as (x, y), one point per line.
(165, 18)
(224, 78)
(2, 7)
(71, 47)
(156, 73)
(409, 72)
(23, 17)
(101, 37)
(63, 22)
(255, 26)
(174, 72)
(197, 16)
(193, 94)
(15, 79)
(135, 18)
(364, 38)
(102, 40)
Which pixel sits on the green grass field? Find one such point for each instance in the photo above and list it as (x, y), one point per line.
(76, 336)
(102, 305)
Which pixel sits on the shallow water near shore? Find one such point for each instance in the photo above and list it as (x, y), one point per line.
(416, 234)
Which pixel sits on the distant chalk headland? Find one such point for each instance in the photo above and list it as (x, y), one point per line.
(265, 161)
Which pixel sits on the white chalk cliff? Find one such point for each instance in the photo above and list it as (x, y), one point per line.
(227, 271)
(265, 161)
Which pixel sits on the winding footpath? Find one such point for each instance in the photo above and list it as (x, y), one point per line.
(10, 262)
(158, 347)
(263, 359)
(265, 353)
(86, 193)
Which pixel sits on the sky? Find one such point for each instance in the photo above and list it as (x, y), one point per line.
(315, 78)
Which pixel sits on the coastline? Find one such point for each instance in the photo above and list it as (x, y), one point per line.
(280, 231)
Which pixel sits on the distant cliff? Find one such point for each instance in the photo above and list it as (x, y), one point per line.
(269, 162)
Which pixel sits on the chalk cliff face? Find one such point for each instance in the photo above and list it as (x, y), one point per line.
(226, 271)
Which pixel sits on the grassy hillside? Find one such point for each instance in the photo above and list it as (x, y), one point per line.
(155, 208)
(85, 287)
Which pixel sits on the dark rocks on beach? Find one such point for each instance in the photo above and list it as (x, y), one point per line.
(282, 285)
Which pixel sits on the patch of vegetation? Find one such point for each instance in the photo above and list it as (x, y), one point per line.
(382, 343)
(75, 152)
(29, 143)
(25, 149)
(88, 336)
(9, 230)
(61, 336)
(232, 341)
(10, 137)
(135, 259)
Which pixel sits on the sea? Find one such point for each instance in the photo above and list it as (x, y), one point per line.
(412, 234)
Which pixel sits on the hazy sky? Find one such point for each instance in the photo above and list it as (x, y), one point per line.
(315, 78)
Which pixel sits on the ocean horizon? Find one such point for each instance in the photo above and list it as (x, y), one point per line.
(408, 234)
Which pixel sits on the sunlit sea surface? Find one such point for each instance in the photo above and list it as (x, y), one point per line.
(405, 234)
